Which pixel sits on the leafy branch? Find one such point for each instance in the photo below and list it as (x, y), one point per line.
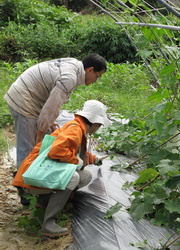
(148, 183)
(143, 156)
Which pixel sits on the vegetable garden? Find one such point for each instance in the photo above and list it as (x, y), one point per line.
(140, 40)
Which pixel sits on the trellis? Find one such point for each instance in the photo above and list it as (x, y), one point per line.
(125, 14)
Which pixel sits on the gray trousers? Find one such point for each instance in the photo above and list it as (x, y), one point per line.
(26, 130)
(80, 179)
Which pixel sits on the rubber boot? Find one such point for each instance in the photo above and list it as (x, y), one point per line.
(42, 200)
(21, 193)
(55, 205)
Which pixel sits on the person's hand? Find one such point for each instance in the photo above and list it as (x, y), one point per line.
(99, 159)
(39, 136)
(54, 126)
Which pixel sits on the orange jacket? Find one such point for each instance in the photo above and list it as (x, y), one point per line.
(70, 140)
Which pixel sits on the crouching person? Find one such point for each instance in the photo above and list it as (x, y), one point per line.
(69, 146)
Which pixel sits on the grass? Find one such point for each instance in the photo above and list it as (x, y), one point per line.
(123, 89)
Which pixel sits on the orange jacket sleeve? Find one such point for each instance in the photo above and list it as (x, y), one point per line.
(91, 158)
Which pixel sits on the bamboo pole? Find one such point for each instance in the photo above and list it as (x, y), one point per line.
(131, 40)
(169, 8)
(162, 26)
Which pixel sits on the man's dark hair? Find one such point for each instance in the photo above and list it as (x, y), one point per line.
(96, 61)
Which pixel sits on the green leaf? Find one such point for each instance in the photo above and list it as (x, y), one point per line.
(159, 122)
(141, 244)
(165, 166)
(114, 209)
(136, 194)
(160, 218)
(157, 96)
(133, 2)
(140, 207)
(173, 205)
(157, 156)
(174, 181)
(147, 33)
(146, 175)
(144, 54)
(127, 185)
(119, 167)
(160, 192)
(177, 115)
(167, 70)
(163, 106)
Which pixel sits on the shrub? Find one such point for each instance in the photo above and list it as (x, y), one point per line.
(36, 29)
(41, 41)
(27, 12)
(99, 34)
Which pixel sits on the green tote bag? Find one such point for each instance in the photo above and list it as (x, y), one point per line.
(47, 173)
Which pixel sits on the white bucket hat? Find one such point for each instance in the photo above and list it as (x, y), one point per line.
(95, 112)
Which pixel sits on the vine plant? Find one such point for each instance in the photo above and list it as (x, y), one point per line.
(155, 138)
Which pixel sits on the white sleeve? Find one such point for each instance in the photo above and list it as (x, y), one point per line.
(50, 110)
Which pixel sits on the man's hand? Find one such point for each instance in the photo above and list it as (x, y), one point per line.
(54, 126)
(39, 136)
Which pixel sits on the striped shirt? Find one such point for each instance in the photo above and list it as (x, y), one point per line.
(42, 89)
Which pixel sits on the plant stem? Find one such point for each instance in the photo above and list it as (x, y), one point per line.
(173, 241)
(149, 182)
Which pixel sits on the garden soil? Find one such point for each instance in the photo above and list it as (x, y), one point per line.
(11, 236)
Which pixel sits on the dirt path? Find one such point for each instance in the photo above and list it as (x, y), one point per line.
(12, 237)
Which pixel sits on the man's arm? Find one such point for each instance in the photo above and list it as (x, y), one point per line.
(50, 110)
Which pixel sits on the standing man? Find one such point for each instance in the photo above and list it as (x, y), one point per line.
(35, 98)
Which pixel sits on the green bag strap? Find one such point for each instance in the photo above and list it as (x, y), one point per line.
(46, 142)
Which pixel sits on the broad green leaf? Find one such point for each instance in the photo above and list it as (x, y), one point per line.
(136, 194)
(148, 147)
(149, 190)
(177, 115)
(144, 53)
(159, 122)
(162, 107)
(140, 40)
(167, 70)
(156, 96)
(173, 205)
(160, 192)
(146, 175)
(114, 209)
(160, 219)
(165, 166)
(147, 33)
(175, 158)
(157, 156)
(173, 181)
(139, 207)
